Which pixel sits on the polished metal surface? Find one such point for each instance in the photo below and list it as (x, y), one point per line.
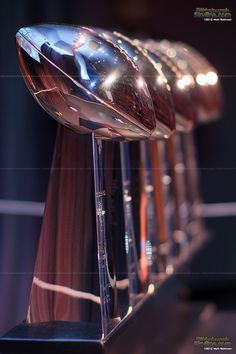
(207, 80)
(168, 187)
(89, 85)
(196, 227)
(107, 279)
(207, 93)
(85, 82)
(156, 81)
(207, 99)
(99, 257)
(147, 245)
(138, 282)
(201, 80)
(187, 107)
(182, 95)
(149, 229)
(159, 88)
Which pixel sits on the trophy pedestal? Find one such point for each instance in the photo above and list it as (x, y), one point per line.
(153, 322)
(56, 336)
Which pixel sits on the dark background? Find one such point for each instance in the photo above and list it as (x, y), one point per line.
(27, 133)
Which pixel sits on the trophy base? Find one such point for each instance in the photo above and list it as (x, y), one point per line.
(56, 336)
(167, 313)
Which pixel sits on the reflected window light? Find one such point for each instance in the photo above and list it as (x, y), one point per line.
(119, 120)
(109, 95)
(105, 35)
(151, 288)
(158, 65)
(187, 80)
(83, 67)
(149, 188)
(140, 82)
(149, 250)
(166, 179)
(110, 79)
(126, 243)
(201, 79)
(79, 41)
(73, 109)
(59, 114)
(130, 309)
(33, 53)
(211, 78)
(169, 269)
(171, 52)
(160, 80)
(180, 84)
(135, 58)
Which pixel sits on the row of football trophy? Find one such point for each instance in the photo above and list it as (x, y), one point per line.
(122, 209)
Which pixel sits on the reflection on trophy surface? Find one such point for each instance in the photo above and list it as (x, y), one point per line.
(123, 207)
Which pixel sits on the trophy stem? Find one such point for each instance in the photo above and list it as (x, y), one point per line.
(196, 223)
(150, 212)
(130, 241)
(181, 209)
(107, 279)
(164, 204)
